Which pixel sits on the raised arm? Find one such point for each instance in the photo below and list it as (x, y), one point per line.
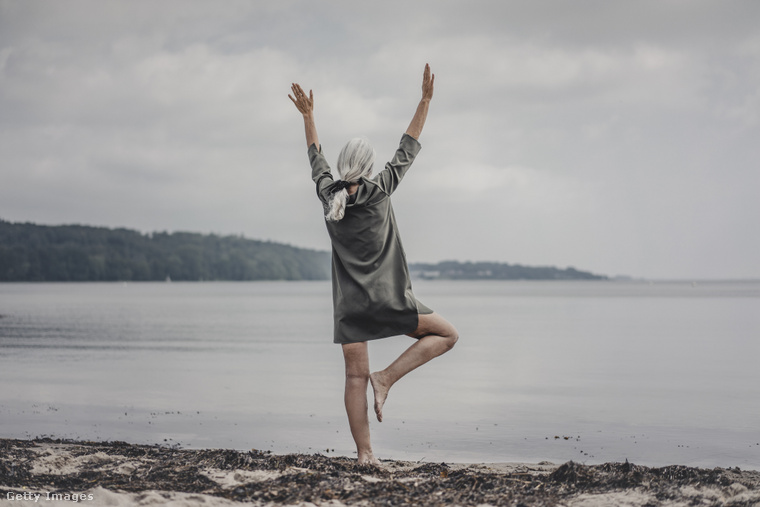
(415, 127)
(305, 106)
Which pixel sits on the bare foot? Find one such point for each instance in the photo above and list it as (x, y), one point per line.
(367, 458)
(381, 392)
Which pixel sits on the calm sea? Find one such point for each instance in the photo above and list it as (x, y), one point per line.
(663, 373)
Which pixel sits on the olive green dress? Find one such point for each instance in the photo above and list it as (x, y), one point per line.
(372, 291)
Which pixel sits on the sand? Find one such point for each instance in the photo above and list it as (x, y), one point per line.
(64, 473)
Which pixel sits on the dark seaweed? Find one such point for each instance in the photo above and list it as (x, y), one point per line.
(317, 478)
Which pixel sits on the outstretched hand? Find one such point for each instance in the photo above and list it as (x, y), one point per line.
(428, 80)
(418, 121)
(304, 104)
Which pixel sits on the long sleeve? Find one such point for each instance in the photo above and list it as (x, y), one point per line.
(320, 171)
(389, 178)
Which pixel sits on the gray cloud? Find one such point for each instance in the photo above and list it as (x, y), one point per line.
(615, 137)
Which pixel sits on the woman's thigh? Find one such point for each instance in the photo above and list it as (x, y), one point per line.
(433, 324)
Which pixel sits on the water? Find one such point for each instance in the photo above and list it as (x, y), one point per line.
(657, 374)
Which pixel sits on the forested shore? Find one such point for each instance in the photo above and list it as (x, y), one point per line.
(454, 270)
(30, 252)
(79, 253)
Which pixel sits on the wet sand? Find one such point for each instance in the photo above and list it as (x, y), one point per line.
(64, 472)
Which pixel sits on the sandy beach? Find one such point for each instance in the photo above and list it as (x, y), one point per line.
(62, 472)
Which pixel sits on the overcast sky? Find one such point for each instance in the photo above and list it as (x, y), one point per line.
(615, 137)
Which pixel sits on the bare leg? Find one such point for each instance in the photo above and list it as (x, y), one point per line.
(436, 336)
(357, 377)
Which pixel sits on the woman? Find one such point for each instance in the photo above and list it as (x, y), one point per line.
(372, 292)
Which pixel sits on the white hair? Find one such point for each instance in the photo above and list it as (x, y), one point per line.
(354, 162)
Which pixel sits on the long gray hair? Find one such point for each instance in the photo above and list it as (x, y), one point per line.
(354, 162)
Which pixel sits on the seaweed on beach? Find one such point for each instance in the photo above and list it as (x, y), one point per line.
(15, 457)
(626, 475)
(262, 477)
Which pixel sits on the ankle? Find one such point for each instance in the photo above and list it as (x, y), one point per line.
(383, 377)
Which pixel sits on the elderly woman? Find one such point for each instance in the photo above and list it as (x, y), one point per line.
(372, 292)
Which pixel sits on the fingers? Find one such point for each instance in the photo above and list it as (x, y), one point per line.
(303, 103)
(428, 81)
(427, 76)
(300, 94)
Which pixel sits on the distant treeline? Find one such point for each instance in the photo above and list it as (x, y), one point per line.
(68, 253)
(30, 252)
(453, 270)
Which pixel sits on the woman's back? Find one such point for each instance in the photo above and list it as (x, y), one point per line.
(372, 292)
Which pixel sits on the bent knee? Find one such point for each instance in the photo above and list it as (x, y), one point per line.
(452, 337)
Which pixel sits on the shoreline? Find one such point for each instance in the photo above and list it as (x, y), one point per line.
(65, 472)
